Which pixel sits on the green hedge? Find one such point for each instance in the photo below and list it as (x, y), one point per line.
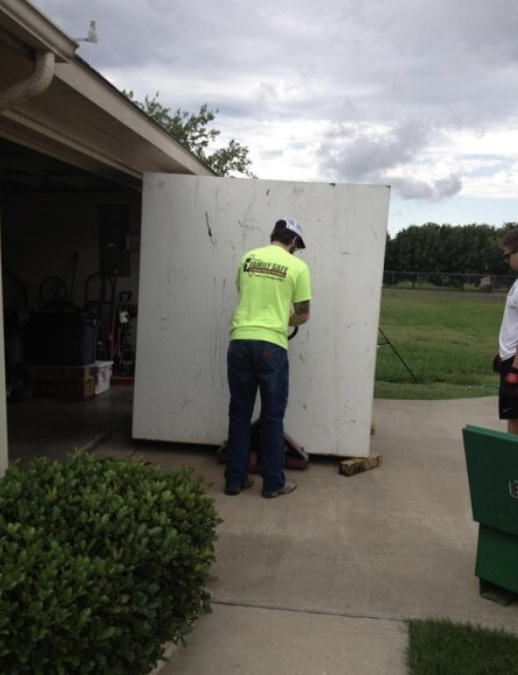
(101, 562)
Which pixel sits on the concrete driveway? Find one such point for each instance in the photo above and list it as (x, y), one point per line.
(320, 582)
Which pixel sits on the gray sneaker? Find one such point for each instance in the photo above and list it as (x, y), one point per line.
(288, 487)
(235, 490)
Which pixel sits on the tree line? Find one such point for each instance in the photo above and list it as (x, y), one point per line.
(443, 249)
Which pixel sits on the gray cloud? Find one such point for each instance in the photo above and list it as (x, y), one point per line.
(394, 60)
(414, 68)
(362, 155)
(431, 191)
(368, 153)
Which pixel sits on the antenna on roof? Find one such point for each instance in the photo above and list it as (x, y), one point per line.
(92, 34)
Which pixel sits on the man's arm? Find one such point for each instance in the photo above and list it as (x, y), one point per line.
(300, 313)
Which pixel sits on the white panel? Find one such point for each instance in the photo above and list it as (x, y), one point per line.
(194, 232)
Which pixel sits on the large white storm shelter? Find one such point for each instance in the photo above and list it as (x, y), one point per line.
(194, 232)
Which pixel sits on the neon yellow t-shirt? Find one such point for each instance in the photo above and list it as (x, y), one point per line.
(269, 280)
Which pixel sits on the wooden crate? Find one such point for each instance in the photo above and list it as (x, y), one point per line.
(66, 390)
(61, 373)
(67, 383)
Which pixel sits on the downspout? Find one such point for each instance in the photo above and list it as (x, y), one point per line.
(33, 86)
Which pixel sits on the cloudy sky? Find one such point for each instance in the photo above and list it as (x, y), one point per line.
(418, 94)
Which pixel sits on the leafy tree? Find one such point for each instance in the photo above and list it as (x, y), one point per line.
(192, 130)
(416, 248)
(448, 249)
(390, 258)
(506, 227)
(479, 244)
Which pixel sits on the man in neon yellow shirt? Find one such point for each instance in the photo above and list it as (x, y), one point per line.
(270, 281)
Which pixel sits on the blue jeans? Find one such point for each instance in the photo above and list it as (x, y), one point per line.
(253, 365)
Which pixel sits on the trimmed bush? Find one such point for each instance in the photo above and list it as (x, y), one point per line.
(101, 562)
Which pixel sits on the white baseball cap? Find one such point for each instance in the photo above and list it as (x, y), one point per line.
(294, 226)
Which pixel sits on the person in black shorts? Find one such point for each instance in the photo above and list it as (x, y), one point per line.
(506, 361)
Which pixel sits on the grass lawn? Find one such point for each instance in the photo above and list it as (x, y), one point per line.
(441, 647)
(448, 340)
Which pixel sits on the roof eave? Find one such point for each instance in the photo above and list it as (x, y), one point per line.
(34, 29)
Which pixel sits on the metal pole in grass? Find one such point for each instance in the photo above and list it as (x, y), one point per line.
(388, 342)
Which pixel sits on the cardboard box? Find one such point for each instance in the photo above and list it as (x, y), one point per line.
(66, 390)
(61, 373)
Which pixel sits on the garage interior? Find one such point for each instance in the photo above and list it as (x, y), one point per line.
(70, 283)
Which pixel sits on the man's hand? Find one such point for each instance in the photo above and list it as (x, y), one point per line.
(510, 383)
(300, 313)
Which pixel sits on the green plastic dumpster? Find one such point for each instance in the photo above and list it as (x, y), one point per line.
(492, 463)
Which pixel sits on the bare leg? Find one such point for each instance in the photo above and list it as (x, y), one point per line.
(512, 426)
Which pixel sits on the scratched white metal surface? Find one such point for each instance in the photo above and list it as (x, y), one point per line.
(194, 231)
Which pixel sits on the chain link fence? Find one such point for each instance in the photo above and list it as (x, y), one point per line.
(488, 283)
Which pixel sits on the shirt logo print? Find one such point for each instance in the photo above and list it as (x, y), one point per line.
(255, 267)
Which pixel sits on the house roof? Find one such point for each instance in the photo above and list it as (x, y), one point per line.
(81, 118)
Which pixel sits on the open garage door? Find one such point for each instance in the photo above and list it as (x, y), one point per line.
(64, 233)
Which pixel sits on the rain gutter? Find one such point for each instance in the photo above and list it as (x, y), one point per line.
(45, 42)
